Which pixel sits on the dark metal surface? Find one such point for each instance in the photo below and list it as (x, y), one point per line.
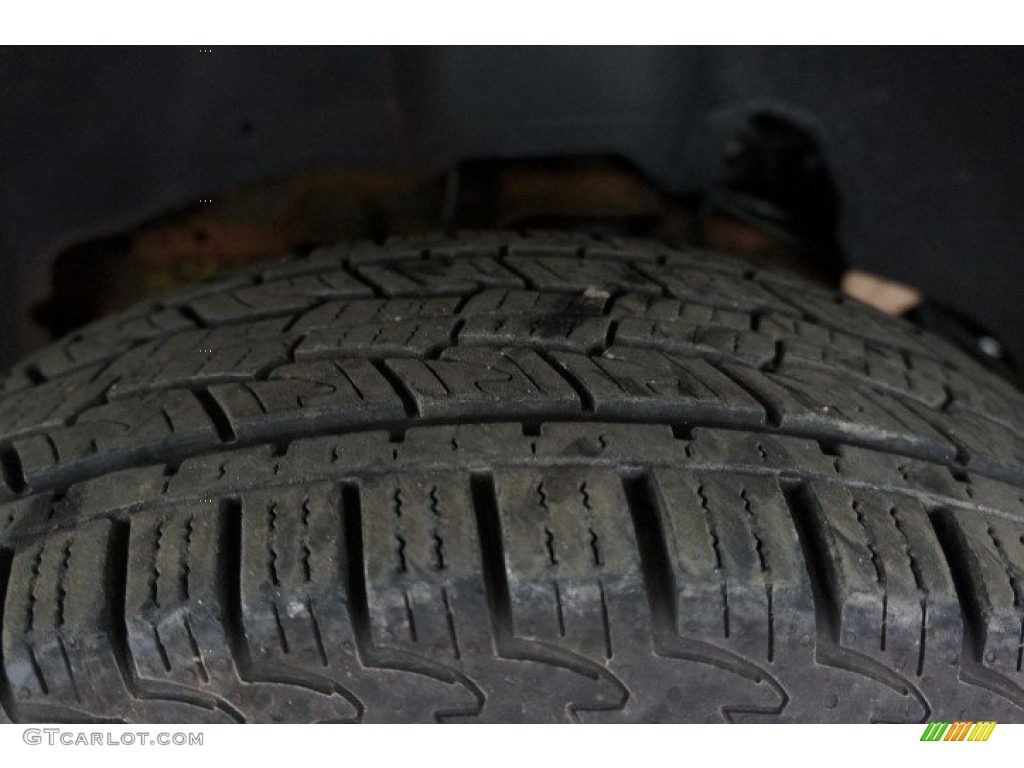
(924, 145)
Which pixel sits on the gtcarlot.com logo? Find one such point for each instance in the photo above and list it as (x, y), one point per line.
(71, 738)
(959, 731)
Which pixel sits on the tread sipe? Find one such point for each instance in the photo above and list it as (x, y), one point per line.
(509, 478)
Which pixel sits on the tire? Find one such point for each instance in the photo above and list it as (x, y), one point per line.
(509, 478)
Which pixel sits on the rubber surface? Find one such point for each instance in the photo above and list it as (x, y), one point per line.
(509, 478)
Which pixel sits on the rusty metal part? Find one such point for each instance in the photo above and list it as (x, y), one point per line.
(260, 221)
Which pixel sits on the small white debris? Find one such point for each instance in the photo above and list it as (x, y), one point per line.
(593, 292)
(990, 347)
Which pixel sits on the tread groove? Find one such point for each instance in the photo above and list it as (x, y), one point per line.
(6, 700)
(450, 620)
(957, 555)
(771, 410)
(116, 576)
(317, 633)
(559, 608)
(412, 409)
(657, 573)
(723, 584)
(68, 669)
(812, 545)
(485, 506)
(11, 471)
(154, 578)
(38, 670)
(196, 651)
(579, 387)
(220, 420)
(161, 649)
(605, 623)
(410, 619)
(231, 581)
(33, 597)
(919, 583)
(358, 604)
(879, 568)
(72, 475)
